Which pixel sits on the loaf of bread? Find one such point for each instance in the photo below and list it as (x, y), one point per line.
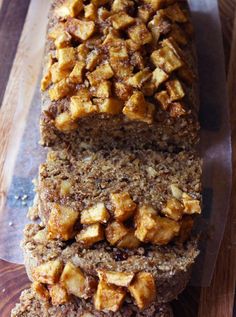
(166, 268)
(120, 73)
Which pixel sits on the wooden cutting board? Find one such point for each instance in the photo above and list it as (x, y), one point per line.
(214, 301)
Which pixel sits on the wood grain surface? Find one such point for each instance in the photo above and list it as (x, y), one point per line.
(214, 301)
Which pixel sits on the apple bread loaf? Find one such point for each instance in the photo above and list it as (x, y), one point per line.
(120, 73)
(124, 198)
(107, 278)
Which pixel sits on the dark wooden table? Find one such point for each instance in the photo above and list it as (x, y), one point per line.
(214, 301)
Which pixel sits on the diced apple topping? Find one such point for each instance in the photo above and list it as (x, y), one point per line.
(82, 52)
(111, 106)
(140, 34)
(124, 205)
(64, 122)
(121, 5)
(115, 231)
(129, 241)
(173, 209)
(177, 109)
(76, 76)
(175, 90)
(93, 59)
(94, 214)
(57, 73)
(58, 294)
(59, 90)
(158, 77)
(155, 229)
(66, 57)
(143, 289)
(48, 273)
(74, 280)
(122, 279)
(137, 108)
(121, 20)
(41, 236)
(40, 290)
(101, 73)
(191, 206)
(80, 108)
(139, 78)
(90, 235)
(63, 40)
(123, 91)
(69, 8)
(103, 90)
(108, 297)
(144, 13)
(163, 99)
(81, 30)
(166, 59)
(56, 31)
(61, 222)
(46, 80)
(90, 12)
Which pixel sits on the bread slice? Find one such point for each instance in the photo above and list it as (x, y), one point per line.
(31, 306)
(127, 76)
(112, 188)
(169, 265)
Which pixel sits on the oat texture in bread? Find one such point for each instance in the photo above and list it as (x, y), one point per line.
(127, 67)
(165, 269)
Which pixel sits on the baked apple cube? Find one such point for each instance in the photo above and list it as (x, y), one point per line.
(177, 109)
(121, 20)
(83, 93)
(166, 59)
(46, 80)
(139, 78)
(124, 206)
(59, 90)
(99, 3)
(166, 230)
(56, 31)
(103, 14)
(58, 294)
(41, 236)
(76, 76)
(136, 108)
(119, 61)
(143, 289)
(108, 297)
(163, 99)
(111, 106)
(65, 123)
(90, 235)
(61, 222)
(144, 13)
(63, 40)
(122, 279)
(69, 8)
(159, 25)
(129, 241)
(123, 91)
(80, 108)
(115, 231)
(158, 77)
(49, 272)
(57, 73)
(121, 5)
(74, 280)
(140, 34)
(173, 209)
(82, 52)
(90, 12)
(148, 88)
(97, 213)
(102, 72)
(191, 206)
(40, 290)
(93, 58)
(103, 90)
(81, 30)
(158, 4)
(132, 46)
(176, 14)
(65, 188)
(175, 89)
(66, 57)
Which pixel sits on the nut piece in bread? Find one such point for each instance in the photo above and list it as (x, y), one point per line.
(49, 272)
(61, 222)
(136, 108)
(191, 206)
(58, 294)
(143, 289)
(70, 8)
(108, 297)
(90, 235)
(115, 231)
(40, 290)
(74, 280)
(124, 205)
(97, 213)
(129, 241)
(122, 279)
